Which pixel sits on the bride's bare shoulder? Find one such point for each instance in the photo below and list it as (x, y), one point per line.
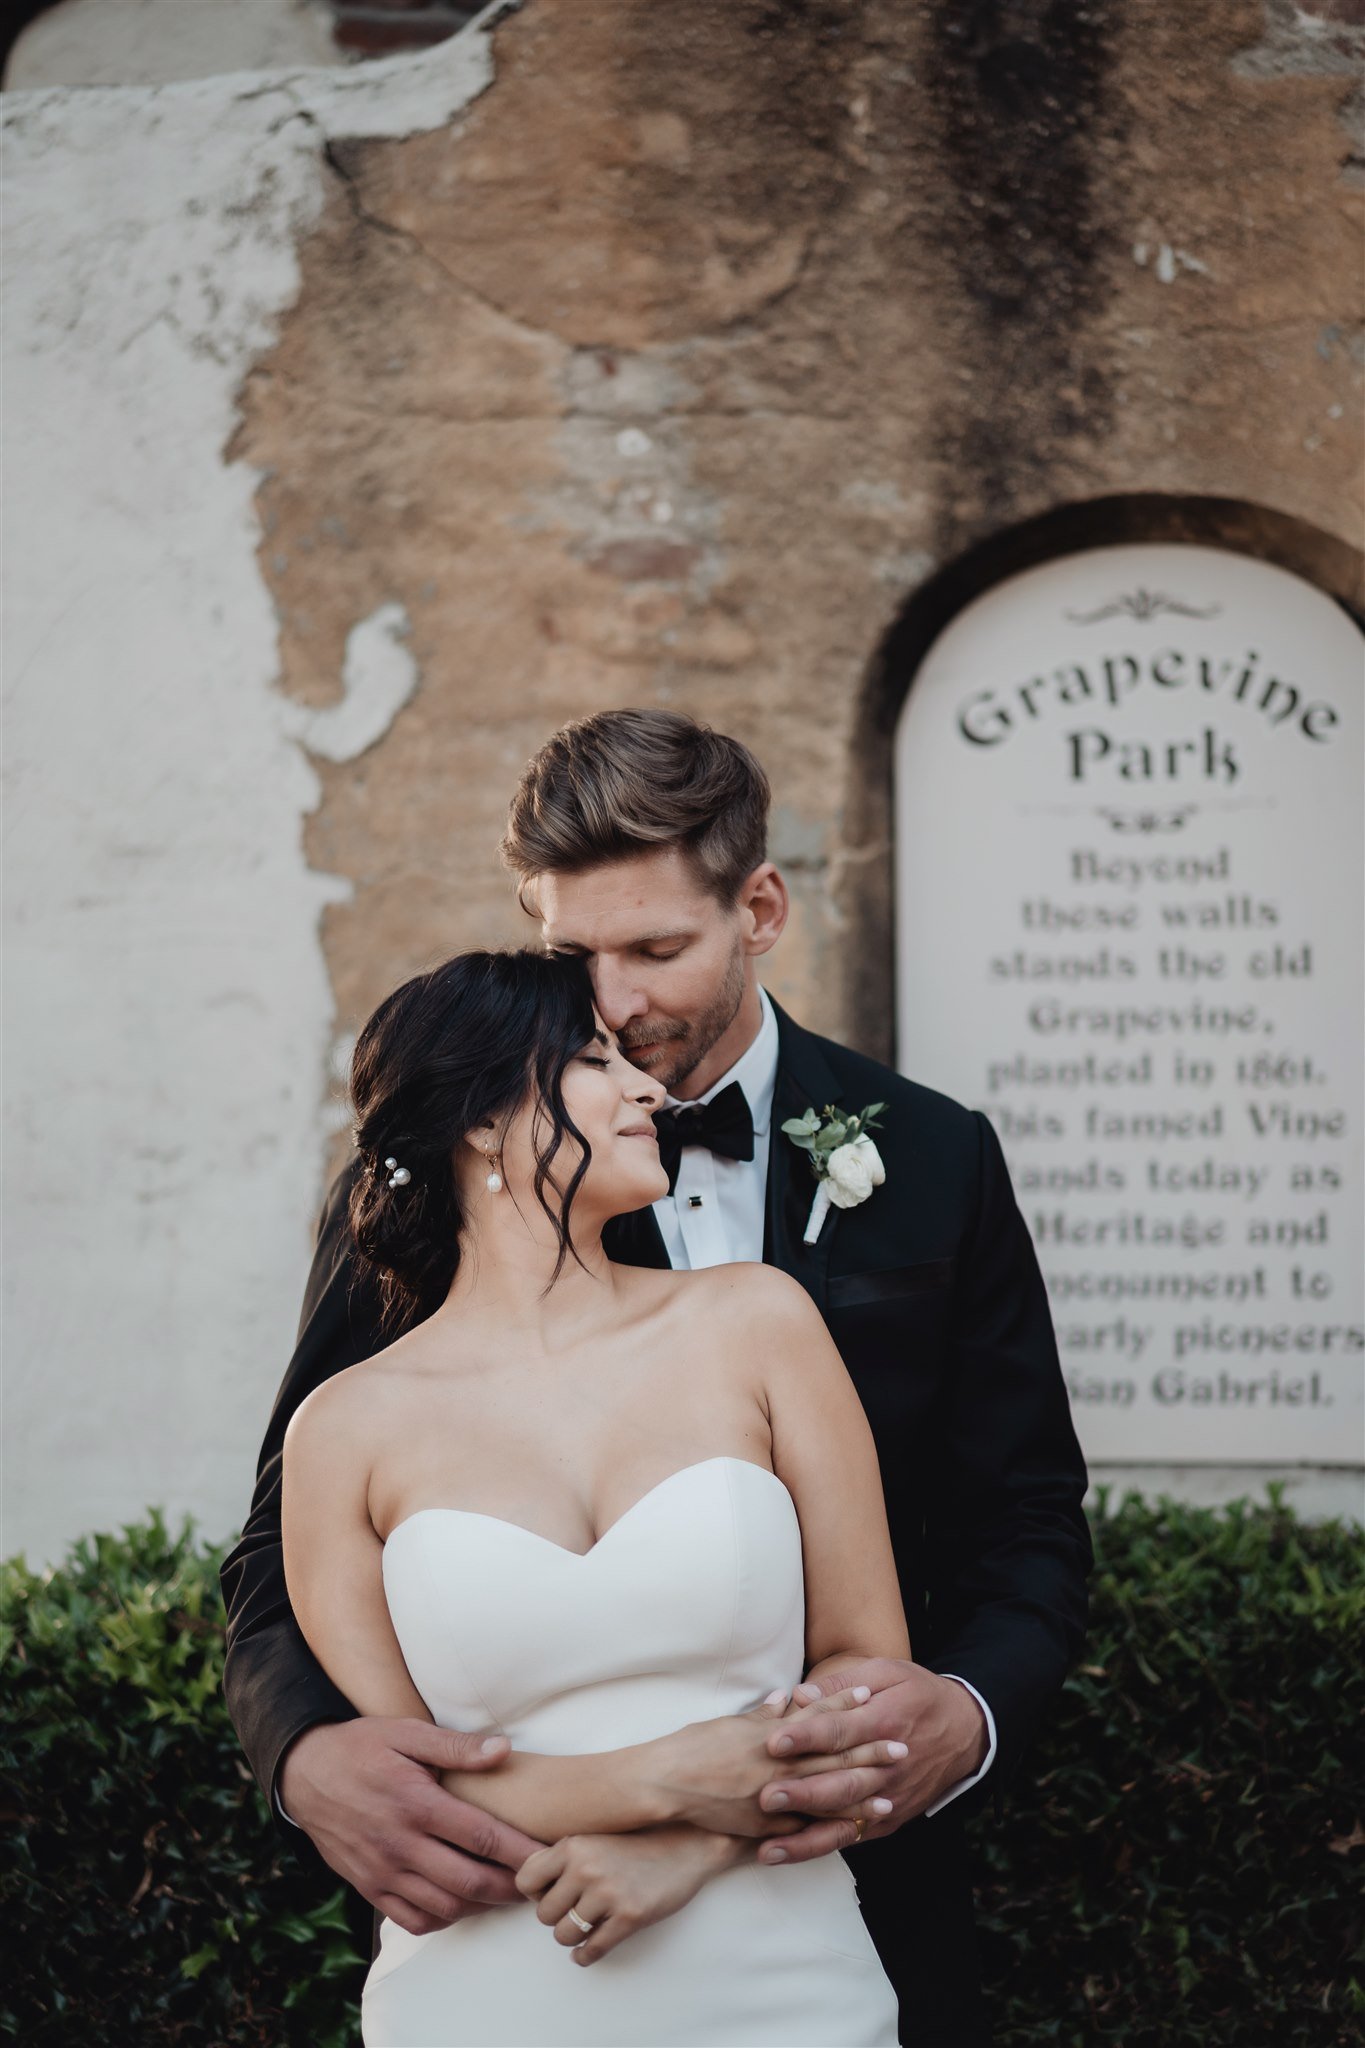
(748, 1294)
(352, 1401)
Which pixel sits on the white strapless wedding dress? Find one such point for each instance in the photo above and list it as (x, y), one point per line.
(690, 1606)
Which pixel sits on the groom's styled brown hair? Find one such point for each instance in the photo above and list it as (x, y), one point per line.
(628, 782)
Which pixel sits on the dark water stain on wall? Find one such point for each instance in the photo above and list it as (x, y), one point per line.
(1019, 93)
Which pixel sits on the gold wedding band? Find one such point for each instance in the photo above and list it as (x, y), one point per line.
(586, 1926)
(861, 1825)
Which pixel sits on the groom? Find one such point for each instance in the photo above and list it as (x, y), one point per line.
(638, 838)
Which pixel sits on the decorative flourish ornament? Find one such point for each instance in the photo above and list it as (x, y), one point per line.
(846, 1164)
(1144, 604)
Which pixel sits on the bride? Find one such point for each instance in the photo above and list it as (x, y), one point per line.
(609, 1513)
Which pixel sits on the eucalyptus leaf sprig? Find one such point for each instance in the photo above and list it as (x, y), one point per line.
(846, 1164)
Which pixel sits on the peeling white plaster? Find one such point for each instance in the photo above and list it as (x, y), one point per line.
(1169, 261)
(150, 42)
(167, 1011)
(336, 1110)
(378, 676)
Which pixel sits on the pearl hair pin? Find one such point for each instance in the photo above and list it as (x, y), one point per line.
(398, 1175)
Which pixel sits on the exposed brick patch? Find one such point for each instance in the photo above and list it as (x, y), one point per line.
(1307, 38)
(646, 561)
(378, 28)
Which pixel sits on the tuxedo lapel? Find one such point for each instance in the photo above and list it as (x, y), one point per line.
(805, 1080)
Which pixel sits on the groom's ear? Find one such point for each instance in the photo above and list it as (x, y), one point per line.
(764, 906)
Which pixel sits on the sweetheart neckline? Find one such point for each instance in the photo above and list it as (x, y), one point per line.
(475, 1515)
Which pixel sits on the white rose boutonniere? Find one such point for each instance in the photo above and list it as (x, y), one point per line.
(846, 1164)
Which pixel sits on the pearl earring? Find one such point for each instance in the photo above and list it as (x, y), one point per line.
(494, 1180)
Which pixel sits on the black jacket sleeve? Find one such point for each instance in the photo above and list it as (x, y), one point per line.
(1008, 1547)
(274, 1685)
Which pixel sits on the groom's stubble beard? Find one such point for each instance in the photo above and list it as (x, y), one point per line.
(688, 1044)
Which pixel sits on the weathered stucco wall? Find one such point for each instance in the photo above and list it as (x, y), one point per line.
(167, 1009)
(715, 330)
(666, 371)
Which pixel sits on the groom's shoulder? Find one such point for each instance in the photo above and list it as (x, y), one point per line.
(337, 1200)
(922, 1115)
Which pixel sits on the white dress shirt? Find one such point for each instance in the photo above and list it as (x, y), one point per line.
(715, 1213)
(715, 1216)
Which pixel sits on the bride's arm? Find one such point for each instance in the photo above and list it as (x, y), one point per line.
(708, 1774)
(333, 1558)
(824, 1453)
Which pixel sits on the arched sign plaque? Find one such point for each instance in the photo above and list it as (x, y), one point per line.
(1129, 929)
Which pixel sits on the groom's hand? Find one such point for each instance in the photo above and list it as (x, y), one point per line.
(942, 1727)
(365, 1792)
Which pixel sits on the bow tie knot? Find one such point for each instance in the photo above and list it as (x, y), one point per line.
(724, 1125)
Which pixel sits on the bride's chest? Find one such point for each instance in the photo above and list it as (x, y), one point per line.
(563, 1461)
(682, 1606)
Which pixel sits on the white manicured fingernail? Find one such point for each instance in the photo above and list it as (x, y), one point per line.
(776, 1699)
(897, 1749)
(861, 1693)
(774, 1855)
(806, 1693)
(490, 1743)
(881, 1805)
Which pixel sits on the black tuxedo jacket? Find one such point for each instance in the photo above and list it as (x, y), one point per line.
(932, 1293)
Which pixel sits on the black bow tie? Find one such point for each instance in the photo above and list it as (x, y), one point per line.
(724, 1125)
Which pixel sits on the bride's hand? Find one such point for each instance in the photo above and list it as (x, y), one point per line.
(620, 1883)
(711, 1772)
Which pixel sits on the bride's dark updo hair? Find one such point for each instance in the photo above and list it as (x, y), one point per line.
(464, 1045)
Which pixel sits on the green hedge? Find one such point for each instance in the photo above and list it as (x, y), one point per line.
(143, 1894)
(1176, 1869)
(1182, 1863)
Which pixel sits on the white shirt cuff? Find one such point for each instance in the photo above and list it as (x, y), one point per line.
(965, 1784)
(279, 1804)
